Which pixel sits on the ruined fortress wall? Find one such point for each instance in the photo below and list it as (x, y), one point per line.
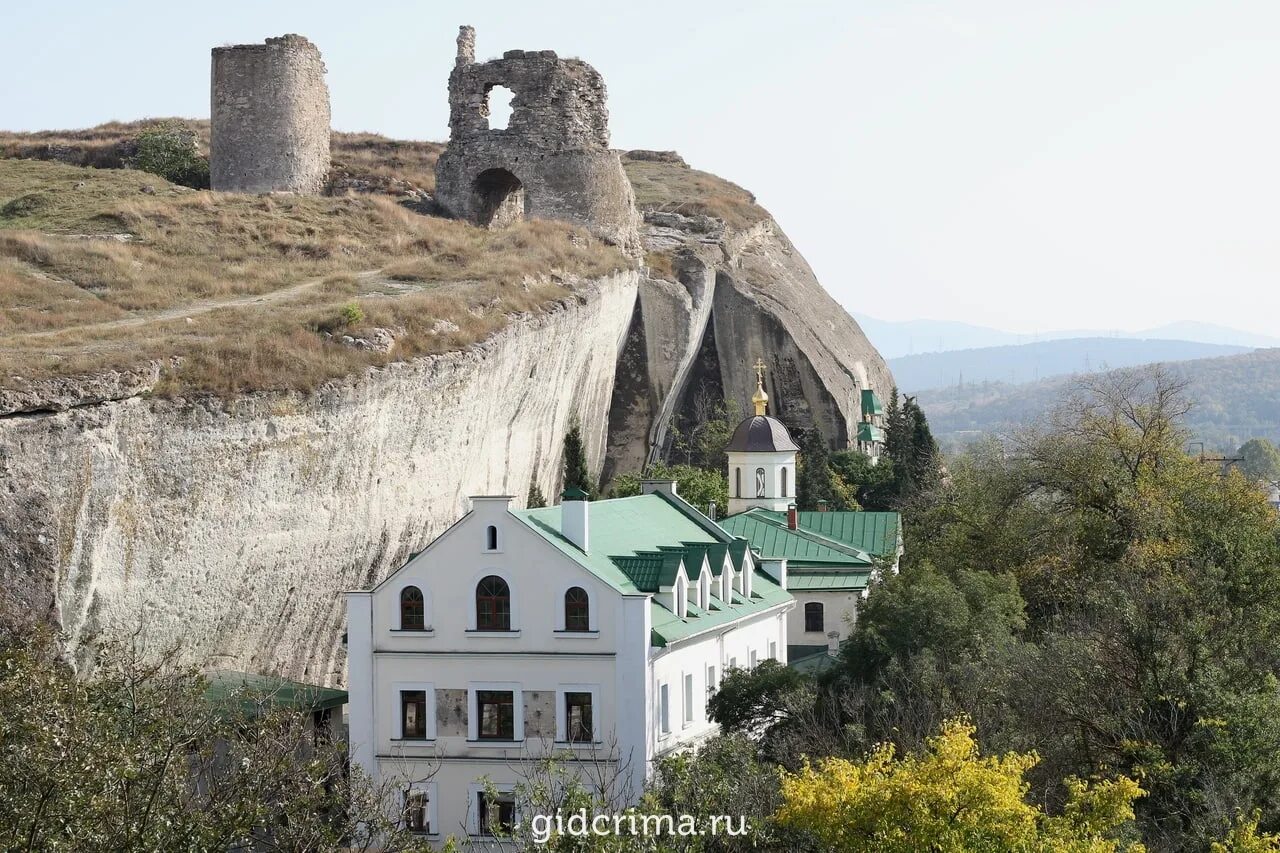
(270, 118)
(555, 149)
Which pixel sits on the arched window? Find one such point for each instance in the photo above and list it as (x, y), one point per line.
(737, 482)
(491, 538)
(493, 605)
(413, 611)
(784, 482)
(577, 610)
(813, 620)
(760, 483)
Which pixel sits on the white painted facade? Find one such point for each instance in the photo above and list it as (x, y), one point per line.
(839, 613)
(451, 660)
(761, 479)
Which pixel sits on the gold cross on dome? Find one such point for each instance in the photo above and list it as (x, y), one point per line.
(759, 366)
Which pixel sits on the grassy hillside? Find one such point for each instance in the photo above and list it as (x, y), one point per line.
(663, 181)
(1234, 398)
(106, 268)
(1041, 360)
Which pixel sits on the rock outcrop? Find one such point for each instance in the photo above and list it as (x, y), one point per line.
(735, 295)
(234, 527)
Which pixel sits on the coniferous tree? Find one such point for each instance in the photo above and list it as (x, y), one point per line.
(576, 474)
(814, 480)
(536, 498)
(923, 460)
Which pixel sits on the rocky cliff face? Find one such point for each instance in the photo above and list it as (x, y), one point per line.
(735, 295)
(233, 528)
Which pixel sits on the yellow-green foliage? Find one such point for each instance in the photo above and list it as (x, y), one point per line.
(1244, 837)
(949, 799)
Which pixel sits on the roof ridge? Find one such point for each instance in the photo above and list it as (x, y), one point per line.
(833, 544)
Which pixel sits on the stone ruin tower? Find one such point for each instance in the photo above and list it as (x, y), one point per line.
(551, 161)
(269, 118)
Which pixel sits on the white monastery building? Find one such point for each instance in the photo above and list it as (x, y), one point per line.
(594, 631)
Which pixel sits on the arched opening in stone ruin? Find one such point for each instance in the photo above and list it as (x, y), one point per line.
(499, 198)
(498, 100)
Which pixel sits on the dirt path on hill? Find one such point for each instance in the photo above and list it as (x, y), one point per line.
(191, 309)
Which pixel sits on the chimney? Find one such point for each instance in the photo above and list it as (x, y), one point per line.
(649, 487)
(793, 518)
(833, 643)
(574, 517)
(711, 510)
(822, 506)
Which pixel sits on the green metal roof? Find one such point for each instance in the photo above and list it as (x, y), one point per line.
(249, 692)
(821, 580)
(637, 546)
(871, 403)
(810, 660)
(769, 536)
(869, 432)
(874, 533)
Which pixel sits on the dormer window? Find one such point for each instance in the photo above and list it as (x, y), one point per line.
(413, 610)
(704, 591)
(491, 538)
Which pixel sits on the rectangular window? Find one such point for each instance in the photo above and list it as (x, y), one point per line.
(495, 711)
(752, 659)
(413, 714)
(813, 616)
(496, 813)
(688, 698)
(578, 726)
(733, 663)
(664, 709)
(417, 811)
(711, 678)
(773, 650)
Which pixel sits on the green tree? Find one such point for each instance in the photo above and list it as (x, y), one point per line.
(1260, 461)
(535, 498)
(703, 431)
(815, 480)
(751, 700)
(135, 757)
(869, 486)
(698, 486)
(168, 149)
(576, 474)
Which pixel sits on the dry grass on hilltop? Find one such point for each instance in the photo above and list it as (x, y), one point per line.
(670, 185)
(110, 268)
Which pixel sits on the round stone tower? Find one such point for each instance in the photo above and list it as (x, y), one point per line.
(552, 160)
(270, 118)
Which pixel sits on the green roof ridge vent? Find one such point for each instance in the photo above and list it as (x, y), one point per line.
(573, 493)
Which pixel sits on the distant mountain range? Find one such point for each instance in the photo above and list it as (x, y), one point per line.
(910, 337)
(1033, 361)
(1234, 398)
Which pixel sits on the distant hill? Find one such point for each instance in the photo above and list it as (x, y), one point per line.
(1042, 360)
(1234, 398)
(910, 337)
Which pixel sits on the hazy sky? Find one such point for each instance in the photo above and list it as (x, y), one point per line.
(1025, 164)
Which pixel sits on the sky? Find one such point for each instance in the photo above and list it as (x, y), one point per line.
(1023, 164)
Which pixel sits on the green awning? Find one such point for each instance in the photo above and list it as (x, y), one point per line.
(249, 692)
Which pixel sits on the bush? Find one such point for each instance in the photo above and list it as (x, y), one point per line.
(169, 150)
(351, 314)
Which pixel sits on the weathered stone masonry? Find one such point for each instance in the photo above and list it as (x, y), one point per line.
(552, 160)
(270, 118)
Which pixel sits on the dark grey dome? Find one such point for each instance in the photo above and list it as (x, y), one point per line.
(761, 433)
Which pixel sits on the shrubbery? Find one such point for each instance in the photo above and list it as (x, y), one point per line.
(169, 150)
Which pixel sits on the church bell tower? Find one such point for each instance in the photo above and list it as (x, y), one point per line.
(762, 458)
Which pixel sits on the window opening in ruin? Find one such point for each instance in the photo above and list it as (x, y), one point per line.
(499, 198)
(499, 107)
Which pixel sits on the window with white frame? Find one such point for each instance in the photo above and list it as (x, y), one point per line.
(688, 698)
(773, 650)
(576, 707)
(419, 810)
(491, 538)
(664, 709)
(496, 712)
(414, 704)
(711, 678)
(751, 659)
(492, 810)
(733, 663)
